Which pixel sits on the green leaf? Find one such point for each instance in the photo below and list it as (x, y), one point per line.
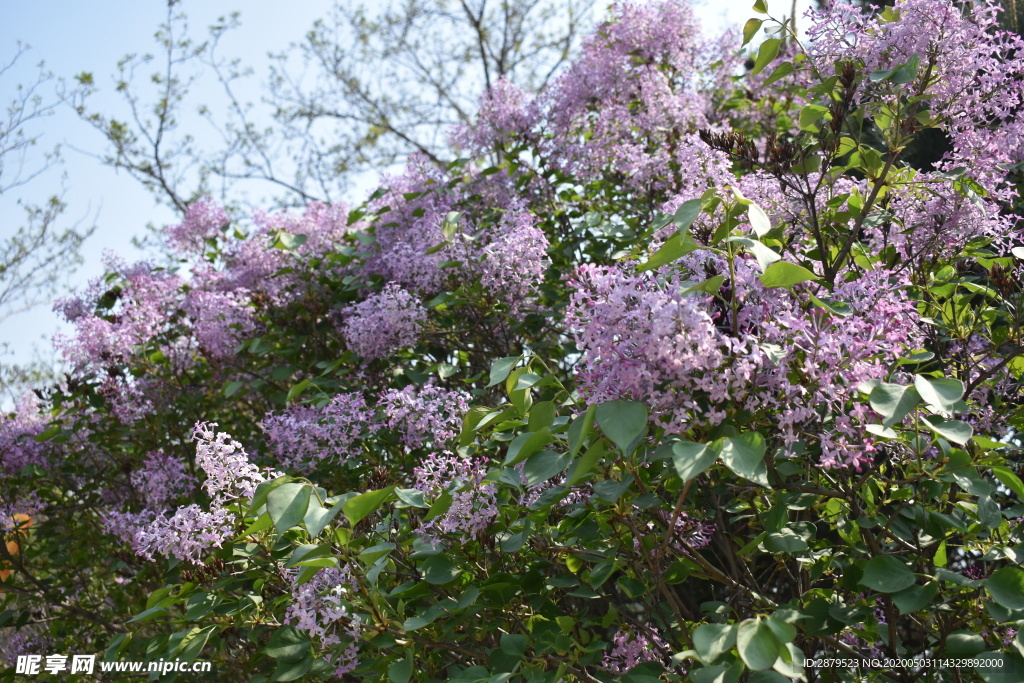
(893, 402)
(450, 225)
(713, 640)
(907, 72)
(287, 505)
(758, 220)
(148, 614)
(943, 395)
(761, 7)
(193, 643)
(514, 644)
(1009, 480)
(362, 505)
(500, 369)
(711, 285)
(768, 51)
(785, 541)
(288, 241)
(782, 274)
(810, 115)
(750, 29)
(543, 465)
(915, 598)
(293, 670)
(779, 72)
(585, 463)
(837, 308)
(525, 445)
(288, 644)
(756, 644)
(401, 671)
(439, 570)
(1006, 586)
(691, 459)
(580, 429)
(622, 421)
(675, 247)
(317, 517)
(764, 254)
(411, 497)
(744, 455)
(887, 574)
(953, 430)
(686, 214)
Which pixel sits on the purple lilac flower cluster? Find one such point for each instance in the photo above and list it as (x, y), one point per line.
(973, 69)
(319, 609)
(383, 322)
(424, 414)
(474, 504)
(514, 261)
(162, 480)
(204, 220)
(630, 648)
(305, 436)
(18, 446)
(643, 339)
(190, 530)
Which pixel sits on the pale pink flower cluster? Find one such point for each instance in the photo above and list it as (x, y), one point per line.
(146, 298)
(191, 530)
(18, 429)
(474, 504)
(220, 320)
(186, 534)
(319, 608)
(630, 648)
(515, 261)
(642, 339)
(204, 220)
(305, 436)
(229, 474)
(975, 71)
(162, 479)
(382, 323)
(426, 414)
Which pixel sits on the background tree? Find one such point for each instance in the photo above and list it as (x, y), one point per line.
(367, 87)
(36, 257)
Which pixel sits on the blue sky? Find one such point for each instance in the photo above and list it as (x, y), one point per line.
(73, 36)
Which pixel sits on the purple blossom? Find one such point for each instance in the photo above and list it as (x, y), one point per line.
(162, 480)
(18, 447)
(515, 261)
(383, 323)
(630, 648)
(185, 535)
(474, 504)
(974, 72)
(229, 474)
(204, 220)
(220, 320)
(319, 608)
(305, 436)
(146, 300)
(424, 414)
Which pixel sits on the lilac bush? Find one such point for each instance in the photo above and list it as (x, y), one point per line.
(692, 368)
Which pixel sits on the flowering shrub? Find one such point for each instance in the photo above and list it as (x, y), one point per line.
(688, 373)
